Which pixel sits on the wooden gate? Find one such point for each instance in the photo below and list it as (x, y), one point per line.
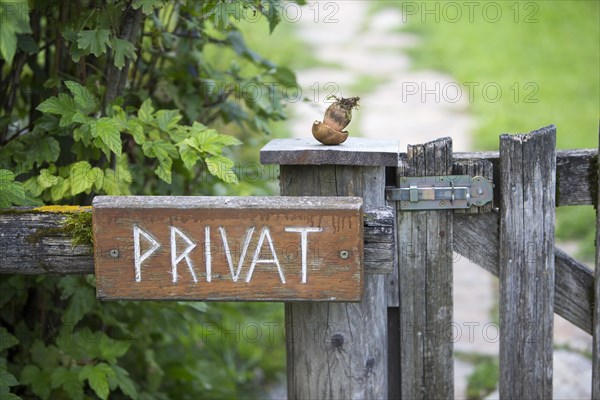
(397, 341)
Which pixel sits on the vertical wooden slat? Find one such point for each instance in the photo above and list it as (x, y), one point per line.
(338, 350)
(475, 168)
(526, 263)
(596, 313)
(425, 285)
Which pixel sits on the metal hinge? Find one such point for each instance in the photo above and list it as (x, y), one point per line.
(441, 192)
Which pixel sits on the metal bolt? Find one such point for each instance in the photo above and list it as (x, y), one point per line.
(480, 191)
(404, 204)
(442, 203)
(344, 254)
(114, 253)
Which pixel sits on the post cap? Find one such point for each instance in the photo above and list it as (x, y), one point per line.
(354, 151)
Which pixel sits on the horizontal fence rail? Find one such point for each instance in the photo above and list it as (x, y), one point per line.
(41, 241)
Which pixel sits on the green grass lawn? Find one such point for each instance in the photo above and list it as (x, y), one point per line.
(522, 65)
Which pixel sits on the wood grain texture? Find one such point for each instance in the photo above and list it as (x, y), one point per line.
(33, 242)
(379, 240)
(475, 167)
(228, 248)
(526, 263)
(596, 318)
(338, 350)
(476, 238)
(354, 151)
(425, 285)
(576, 174)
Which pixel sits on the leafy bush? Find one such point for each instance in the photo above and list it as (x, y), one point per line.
(119, 97)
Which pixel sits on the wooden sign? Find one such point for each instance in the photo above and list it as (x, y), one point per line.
(228, 248)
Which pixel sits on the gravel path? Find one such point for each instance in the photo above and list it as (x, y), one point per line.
(366, 52)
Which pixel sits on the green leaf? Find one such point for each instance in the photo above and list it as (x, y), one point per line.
(147, 5)
(272, 13)
(108, 130)
(111, 349)
(167, 119)
(163, 171)
(45, 179)
(62, 105)
(188, 155)
(160, 149)
(11, 192)
(145, 112)
(94, 41)
(14, 19)
(135, 128)
(58, 191)
(27, 44)
(80, 304)
(69, 381)
(7, 379)
(44, 356)
(45, 149)
(82, 134)
(7, 340)
(38, 380)
(8, 41)
(97, 376)
(6, 177)
(124, 382)
(84, 99)
(32, 186)
(80, 177)
(122, 48)
(222, 168)
(285, 76)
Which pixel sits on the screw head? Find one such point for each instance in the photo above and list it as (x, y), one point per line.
(344, 254)
(442, 203)
(114, 253)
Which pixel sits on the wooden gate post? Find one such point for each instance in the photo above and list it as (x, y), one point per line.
(336, 350)
(526, 263)
(426, 369)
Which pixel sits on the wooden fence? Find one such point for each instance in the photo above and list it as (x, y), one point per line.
(397, 342)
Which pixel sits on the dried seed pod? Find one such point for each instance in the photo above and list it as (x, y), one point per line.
(328, 135)
(337, 116)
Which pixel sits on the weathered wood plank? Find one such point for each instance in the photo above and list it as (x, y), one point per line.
(476, 238)
(338, 350)
(576, 175)
(526, 263)
(474, 167)
(596, 319)
(379, 240)
(36, 242)
(354, 151)
(425, 285)
(228, 248)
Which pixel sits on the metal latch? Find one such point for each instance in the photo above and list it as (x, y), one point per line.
(441, 192)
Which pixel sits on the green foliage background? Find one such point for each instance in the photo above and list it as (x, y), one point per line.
(133, 97)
